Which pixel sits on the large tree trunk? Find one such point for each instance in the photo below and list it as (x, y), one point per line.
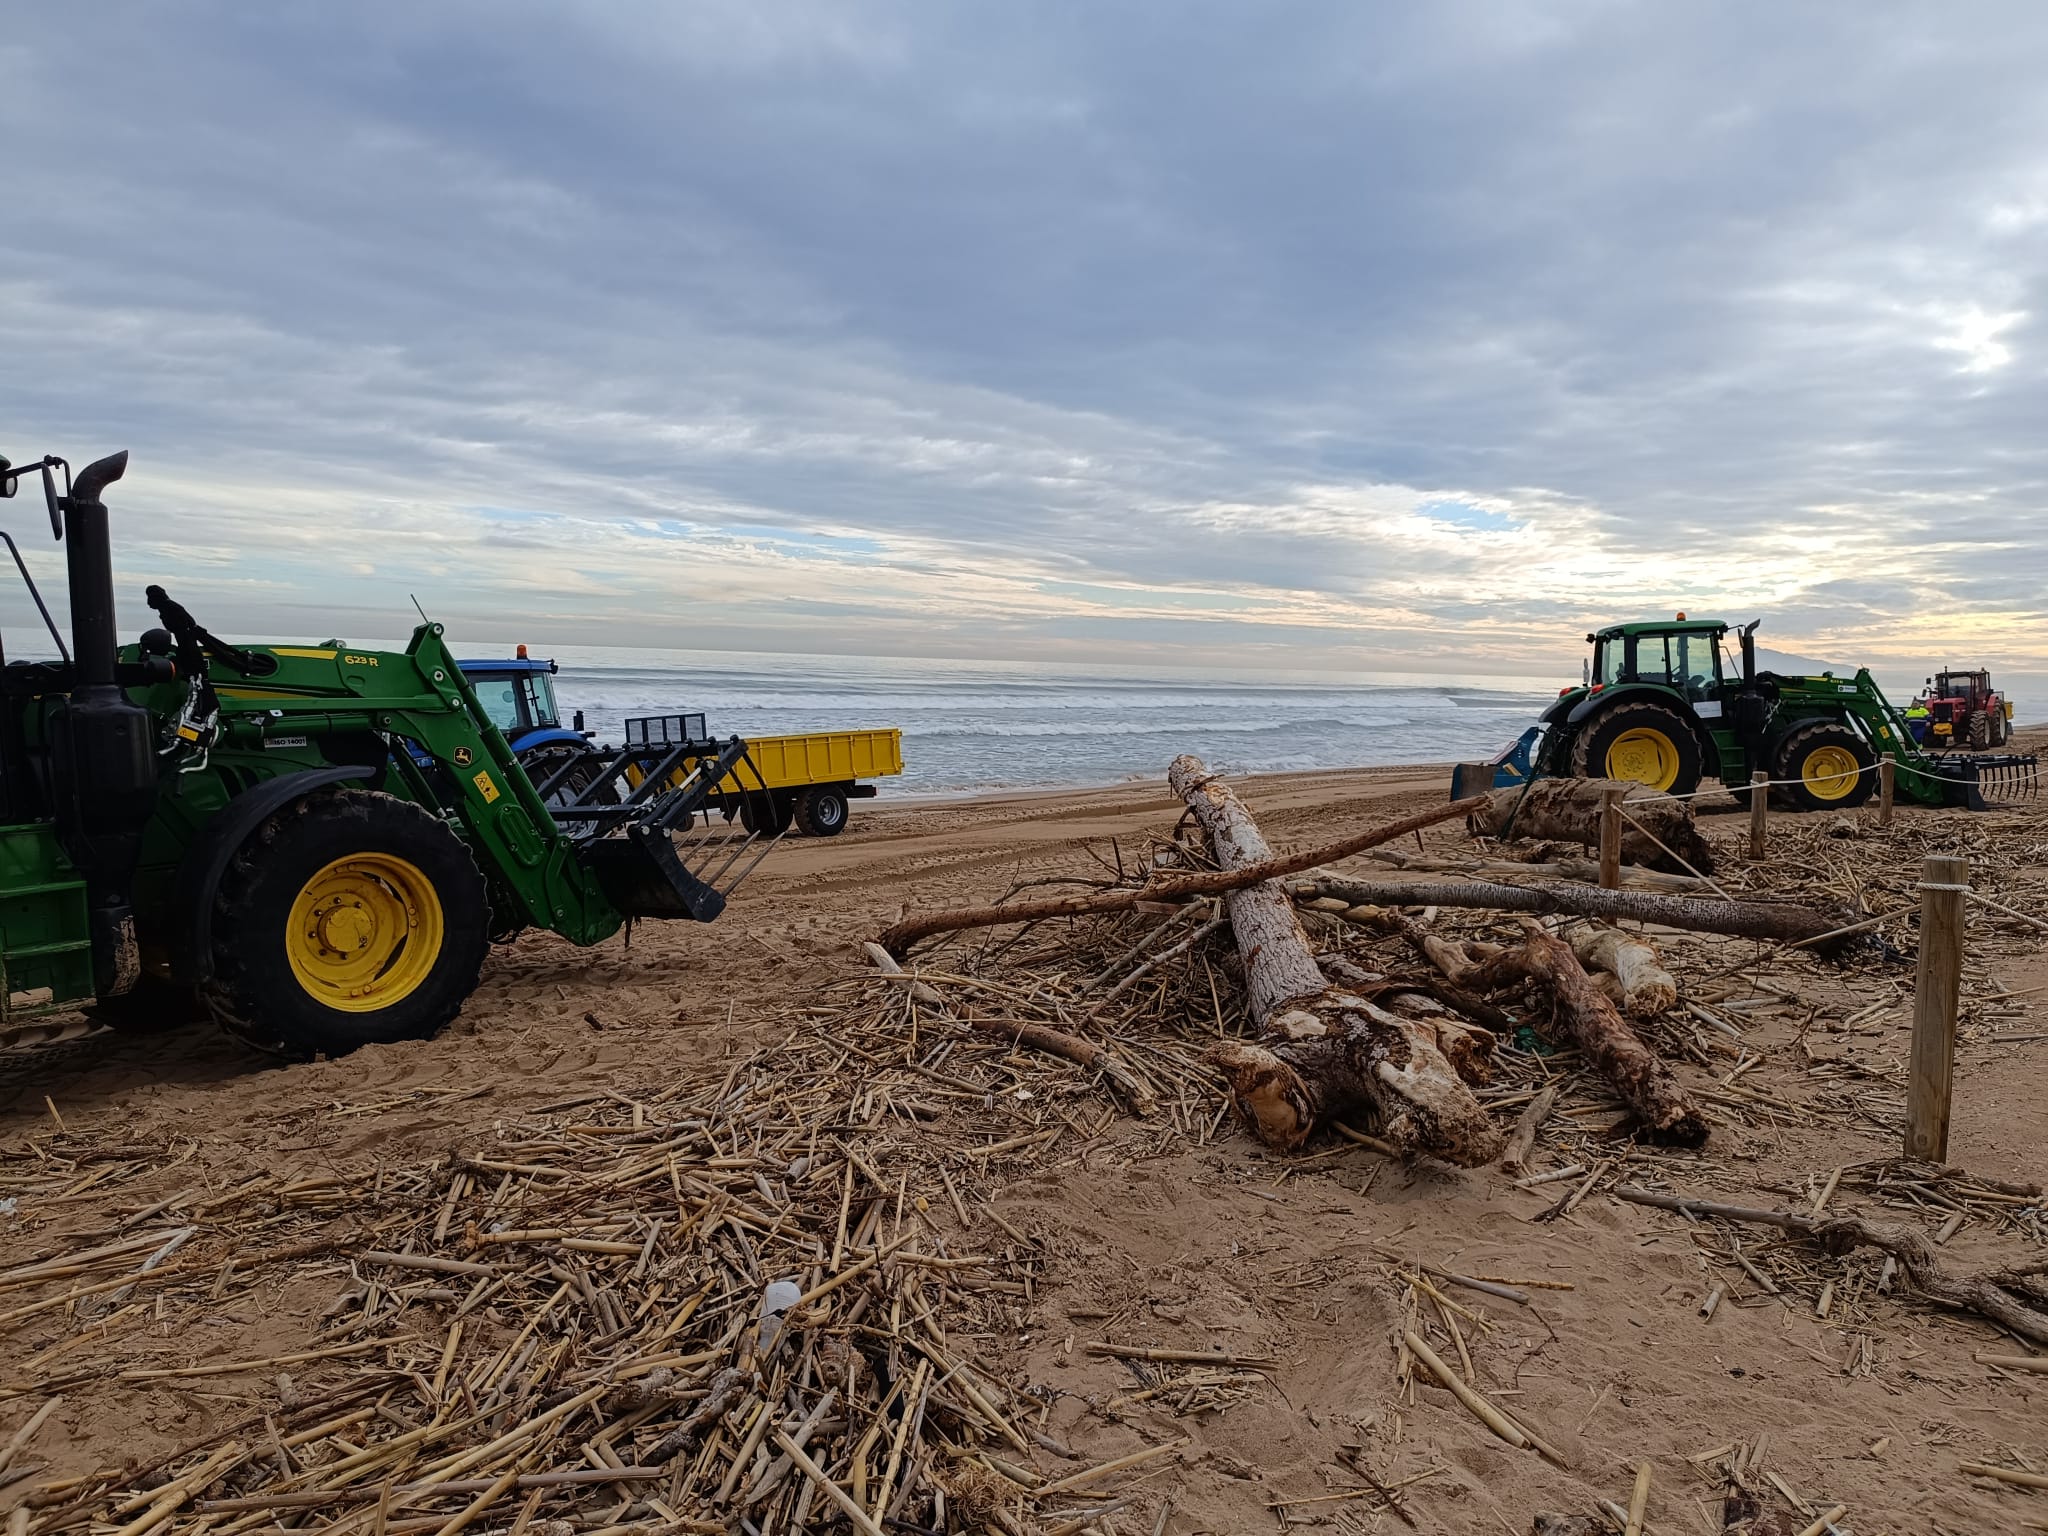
(1326, 1052)
(1569, 810)
(1783, 922)
(1583, 1016)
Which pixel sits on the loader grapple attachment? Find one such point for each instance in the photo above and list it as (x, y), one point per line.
(1982, 781)
(643, 817)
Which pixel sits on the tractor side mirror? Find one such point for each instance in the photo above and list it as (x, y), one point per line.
(50, 497)
(8, 484)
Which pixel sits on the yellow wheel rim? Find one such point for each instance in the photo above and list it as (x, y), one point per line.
(1829, 773)
(1645, 755)
(364, 932)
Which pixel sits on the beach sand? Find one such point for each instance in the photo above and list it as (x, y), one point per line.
(1227, 1246)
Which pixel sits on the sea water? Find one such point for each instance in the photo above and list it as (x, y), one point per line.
(972, 726)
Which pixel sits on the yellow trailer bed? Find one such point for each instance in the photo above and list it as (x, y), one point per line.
(826, 757)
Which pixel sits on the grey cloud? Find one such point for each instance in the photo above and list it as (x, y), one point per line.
(1036, 290)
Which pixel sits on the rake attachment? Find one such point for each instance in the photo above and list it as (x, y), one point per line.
(1980, 781)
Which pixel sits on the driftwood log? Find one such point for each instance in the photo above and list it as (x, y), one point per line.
(1994, 1295)
(1326, 1052)
(1568, 810)
(1582, 1016)
(1783, 922)
(1166, 886)
(1647, 989)
(1527, 1126)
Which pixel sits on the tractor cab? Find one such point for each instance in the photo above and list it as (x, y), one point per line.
(1970, 685)
(1683, 655)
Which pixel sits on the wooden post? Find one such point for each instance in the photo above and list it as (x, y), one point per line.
(1759, 811)
(1887, 765)
(1610, 837)
(1936, 987)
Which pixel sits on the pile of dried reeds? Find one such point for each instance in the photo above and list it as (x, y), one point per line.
(735, 1305)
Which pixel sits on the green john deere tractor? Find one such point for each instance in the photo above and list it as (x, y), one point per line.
(1667, 705)
(318, 842)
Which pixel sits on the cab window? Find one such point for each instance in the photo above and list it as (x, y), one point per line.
(540, 700)
(1696, 664)
(1688, 662)
(1609, 660)
(500, 699)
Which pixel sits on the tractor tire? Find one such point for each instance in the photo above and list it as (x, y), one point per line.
(766, 812)
(1826, 766)
(1980, 730)
(821, 810)
(1648, 743)
(347, 919)
(2001, 728)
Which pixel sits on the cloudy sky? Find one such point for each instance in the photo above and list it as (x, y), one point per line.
(1339, 335)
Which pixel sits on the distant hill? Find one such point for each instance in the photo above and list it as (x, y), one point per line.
(1787, 664)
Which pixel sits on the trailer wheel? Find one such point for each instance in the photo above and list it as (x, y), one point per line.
(346, 919)
(1828, 766)
(821, 810)
(1646, 742)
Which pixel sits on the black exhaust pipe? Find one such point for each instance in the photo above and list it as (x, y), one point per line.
(89, 560)
(103, 747)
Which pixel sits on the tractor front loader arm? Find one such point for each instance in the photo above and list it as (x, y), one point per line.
(526, 858)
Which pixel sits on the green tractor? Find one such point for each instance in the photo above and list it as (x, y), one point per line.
(1666, 704)
(318, 843)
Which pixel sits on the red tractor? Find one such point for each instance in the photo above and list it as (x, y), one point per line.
(1963, 710)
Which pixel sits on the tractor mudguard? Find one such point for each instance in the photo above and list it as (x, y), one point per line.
(1559, 708)
(1607, 695)
(199, 872)
(547, 736)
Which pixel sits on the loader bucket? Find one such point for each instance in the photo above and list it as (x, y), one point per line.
(1982, 781)
(641, 874)
(1511, 766)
